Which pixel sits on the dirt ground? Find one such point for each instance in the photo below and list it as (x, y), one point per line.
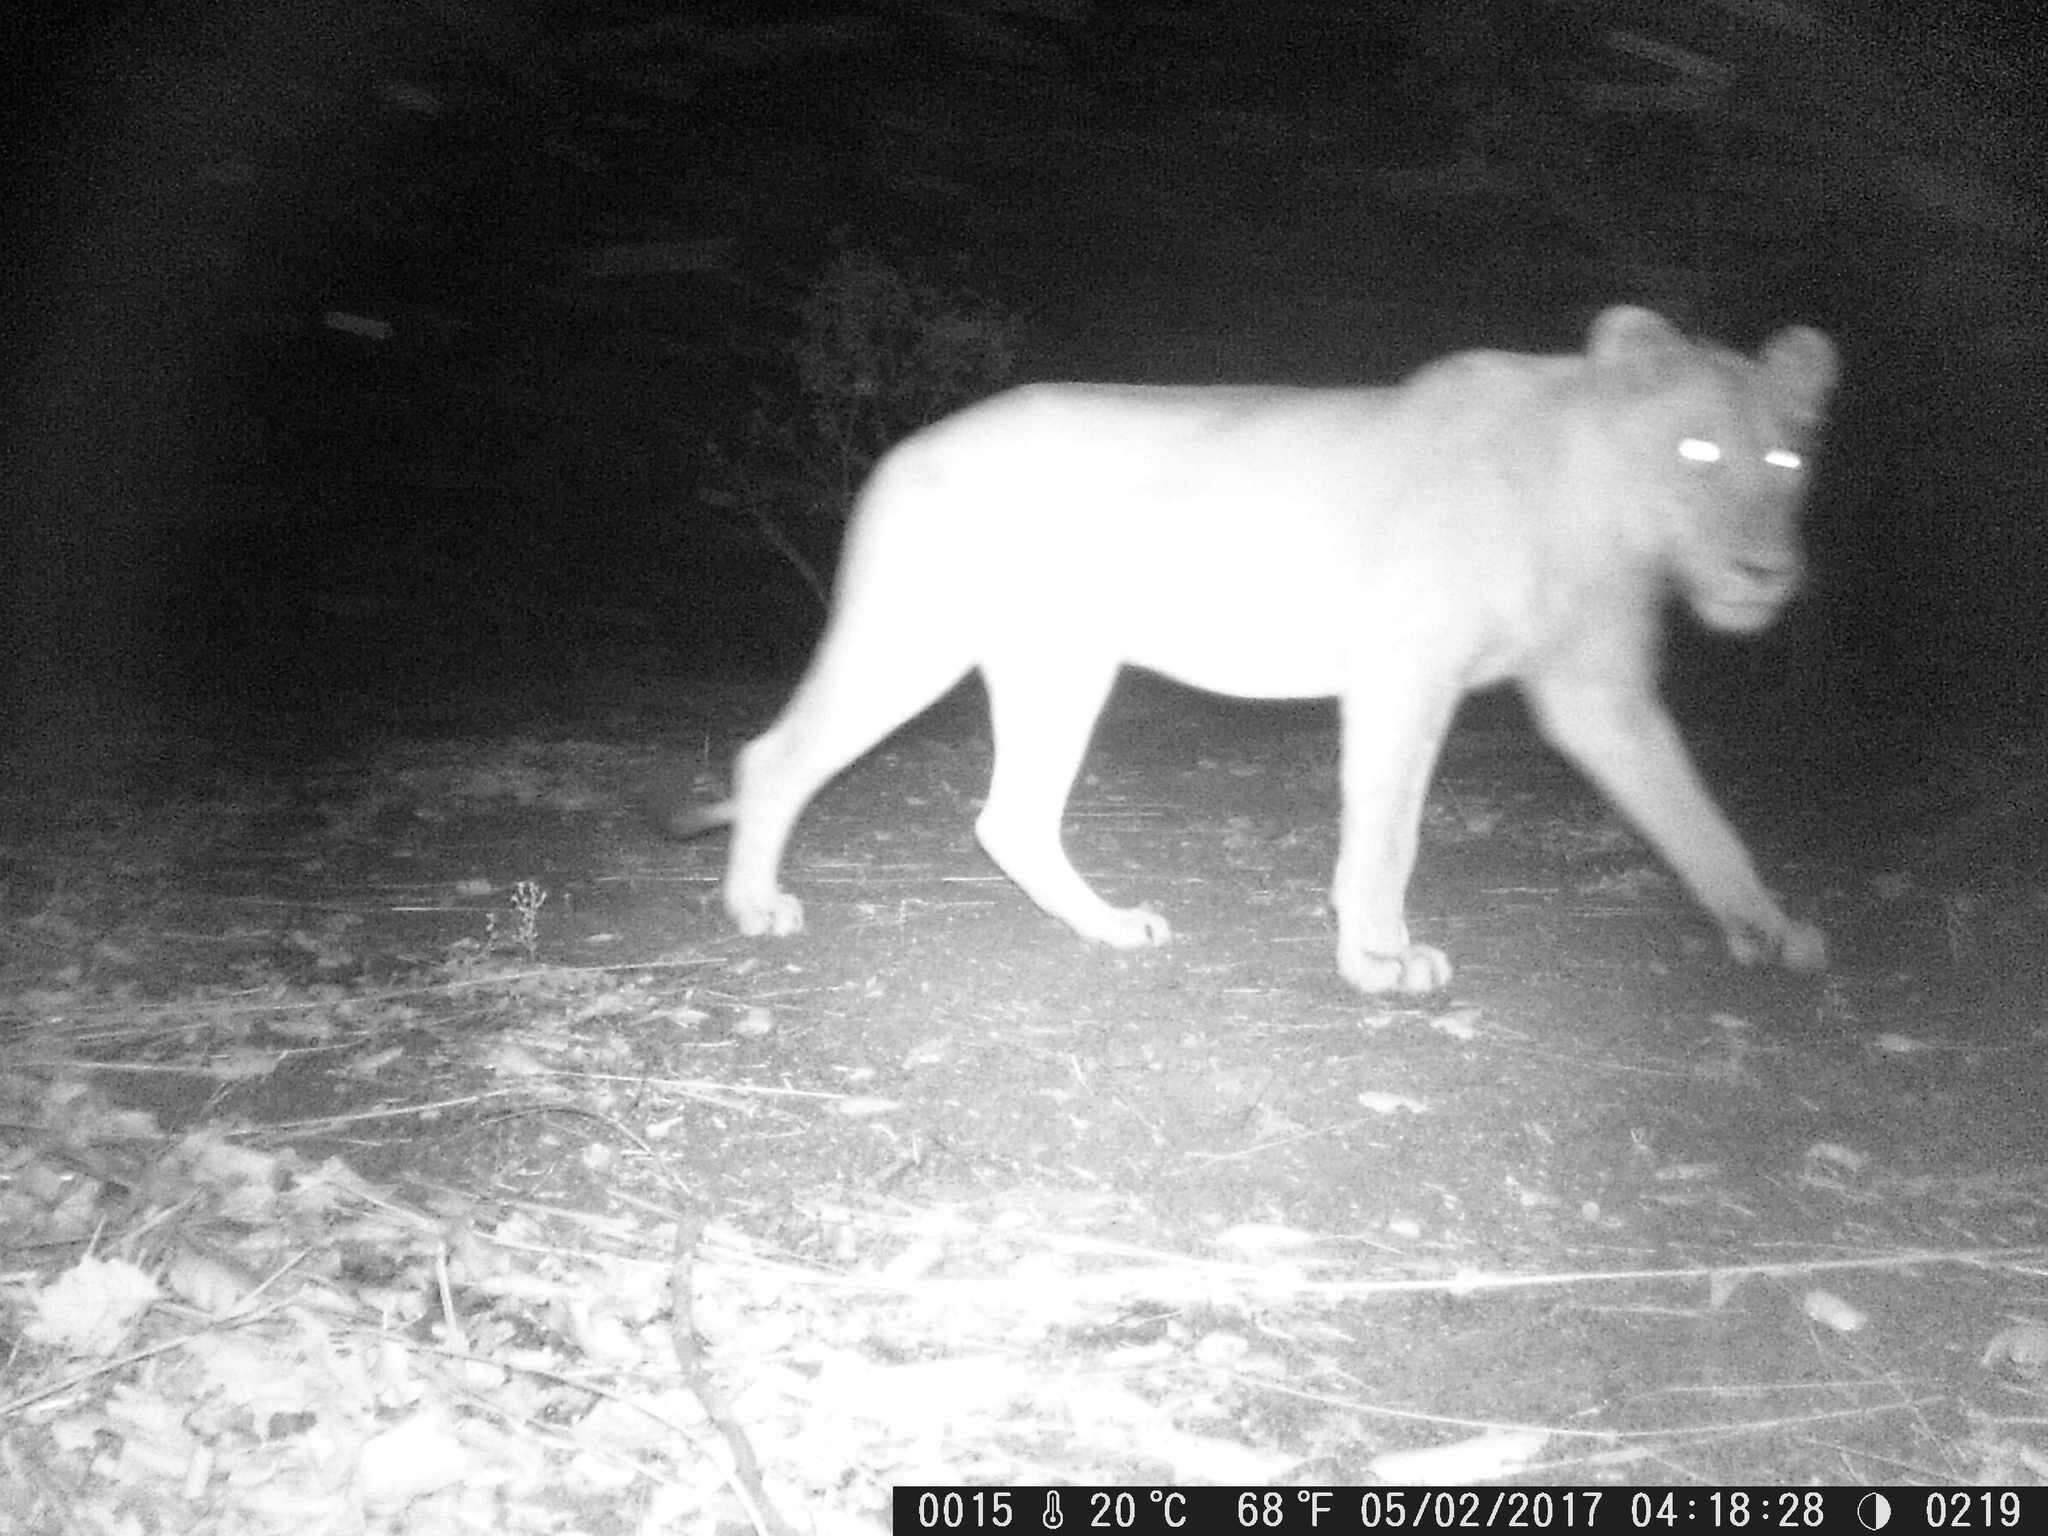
(933, 1192)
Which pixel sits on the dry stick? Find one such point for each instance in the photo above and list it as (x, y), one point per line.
(745, 1474)
(1468, 1282)
(1721, 1431)
(144, 1014)
(528, 1368)
(781, 544)
(707, 1089)
(100, 1368)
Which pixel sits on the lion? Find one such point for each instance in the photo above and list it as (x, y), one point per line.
(1494, 518)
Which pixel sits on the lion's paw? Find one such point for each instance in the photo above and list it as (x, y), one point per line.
(776, 915)
(1128, 928)
(1796, 946)
(1804, 948)
(1418, 968)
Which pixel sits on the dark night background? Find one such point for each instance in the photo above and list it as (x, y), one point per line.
(356, 344)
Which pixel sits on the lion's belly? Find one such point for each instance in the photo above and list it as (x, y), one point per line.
(1240, 647)
(1267, 620)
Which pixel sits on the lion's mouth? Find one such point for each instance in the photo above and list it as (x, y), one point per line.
(1740, 615)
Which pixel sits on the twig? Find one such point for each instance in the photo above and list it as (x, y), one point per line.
(746, 1471)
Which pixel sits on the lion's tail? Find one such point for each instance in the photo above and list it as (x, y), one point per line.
(688, 819)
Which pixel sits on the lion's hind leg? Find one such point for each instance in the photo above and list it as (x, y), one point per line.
(873, 671)
(1043, 709)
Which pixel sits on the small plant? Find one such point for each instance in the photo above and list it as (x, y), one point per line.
(519, 931)
(880, 354)
(528, 897)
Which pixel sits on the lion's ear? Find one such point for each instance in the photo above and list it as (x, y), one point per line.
(1803, 364)
(1638, 345)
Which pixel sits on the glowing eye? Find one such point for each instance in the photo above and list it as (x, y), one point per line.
(1784, 458)
(1700, 451)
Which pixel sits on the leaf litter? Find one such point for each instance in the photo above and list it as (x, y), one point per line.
(203, 1325)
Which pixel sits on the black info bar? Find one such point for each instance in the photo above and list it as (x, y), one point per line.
(1177, 1511)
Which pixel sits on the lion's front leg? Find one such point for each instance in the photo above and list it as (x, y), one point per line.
(1626, 742)
(1390, 744)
